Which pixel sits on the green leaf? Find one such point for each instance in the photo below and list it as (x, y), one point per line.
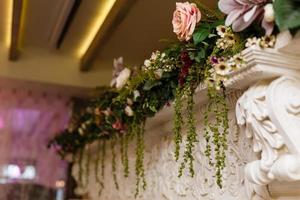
(212, 35)
(150, 84)
(218, 23)
(200, 35)
(200, 55)
(153, 109)
(287, 14)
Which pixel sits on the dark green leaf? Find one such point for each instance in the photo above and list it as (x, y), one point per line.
(217, 23)
(287, 14)
(200, 35)
(150, 84)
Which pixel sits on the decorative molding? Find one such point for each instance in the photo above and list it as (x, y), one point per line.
(270, 114)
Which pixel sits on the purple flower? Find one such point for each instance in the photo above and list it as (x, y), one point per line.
(242, 13)
(214, 60)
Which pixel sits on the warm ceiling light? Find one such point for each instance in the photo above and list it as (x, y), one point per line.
(8, 27)
(106, 6)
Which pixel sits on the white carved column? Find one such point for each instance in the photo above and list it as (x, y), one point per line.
(269, 114)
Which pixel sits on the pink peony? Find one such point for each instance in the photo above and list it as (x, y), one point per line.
(242, 13)
(185, 18)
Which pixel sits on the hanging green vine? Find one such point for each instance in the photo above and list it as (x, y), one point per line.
(191, 135)
(80, 165)
(99, 157)
(87, 165)
(216, 131)
(113, 164)
(103, 154)
(124, 154)
(178, 122)
(139, 165)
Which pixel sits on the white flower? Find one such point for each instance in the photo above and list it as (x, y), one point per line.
(128, 111)
(154, 55)
(129, 101)
(222, 30)
(158, 73)
(83, 126)
(222, 69)
(107, 112)
(136, 94)
(252, 42)
(80, 131)
(269, 15)
(267, 41)
(147, 63)
(227, 41)
(118, 67)
(122, 78)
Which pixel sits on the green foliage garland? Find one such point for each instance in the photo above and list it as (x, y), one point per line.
(119, 113)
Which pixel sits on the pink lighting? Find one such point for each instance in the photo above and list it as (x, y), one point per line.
(1, 123)
(27, 121)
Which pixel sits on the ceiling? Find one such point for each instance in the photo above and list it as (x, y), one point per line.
(134, 37)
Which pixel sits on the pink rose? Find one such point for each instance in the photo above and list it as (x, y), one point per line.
(117, 125)
(185, 18)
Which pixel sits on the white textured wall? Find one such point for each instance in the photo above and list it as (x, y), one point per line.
(162, 170)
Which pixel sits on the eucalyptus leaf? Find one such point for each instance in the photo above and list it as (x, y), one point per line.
(287, 14)
(150, 84)
(211, 35)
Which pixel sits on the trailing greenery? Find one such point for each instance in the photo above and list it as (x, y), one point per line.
(113, 163)
(139, 166)
(178, 122)
(124, 154)
(87, 165)
(216, 131)
(188, 157)
(99, 158)
(80, 163)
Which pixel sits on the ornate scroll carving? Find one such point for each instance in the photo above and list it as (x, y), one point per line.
(269, 113)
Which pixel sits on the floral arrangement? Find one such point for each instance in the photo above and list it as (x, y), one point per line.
(209, 49)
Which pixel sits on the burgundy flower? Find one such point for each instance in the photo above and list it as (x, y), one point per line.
(184, 71)
(242, 13)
